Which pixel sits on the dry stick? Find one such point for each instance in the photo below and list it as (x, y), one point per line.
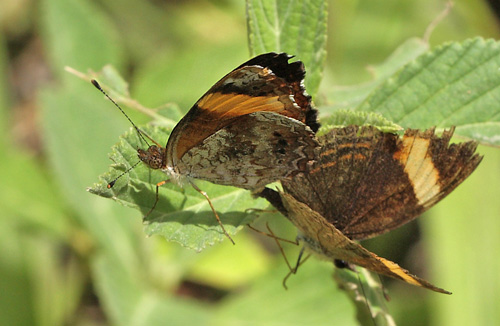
(125, 100)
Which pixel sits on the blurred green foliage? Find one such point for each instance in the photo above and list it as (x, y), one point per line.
(70, 258)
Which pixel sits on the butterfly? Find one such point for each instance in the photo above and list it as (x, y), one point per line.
(253, 127)
(366, 182)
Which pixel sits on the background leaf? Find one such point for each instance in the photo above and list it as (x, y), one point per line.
(454, 85)
(295, 27)
(349, 97)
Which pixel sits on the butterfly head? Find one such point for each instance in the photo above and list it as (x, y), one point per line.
(154, 157)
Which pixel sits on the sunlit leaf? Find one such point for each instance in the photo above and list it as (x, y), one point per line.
(456, 84)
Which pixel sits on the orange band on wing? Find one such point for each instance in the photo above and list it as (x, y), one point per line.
(231, 105)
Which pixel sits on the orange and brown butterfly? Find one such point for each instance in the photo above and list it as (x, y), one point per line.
(367, 182)
(253, 127)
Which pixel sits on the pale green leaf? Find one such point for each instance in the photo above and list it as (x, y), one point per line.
(342, 118)
(117, 90)
(37, 289)
(185, 77)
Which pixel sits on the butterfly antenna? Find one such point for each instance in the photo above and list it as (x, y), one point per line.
(112, 183)
(139, 131)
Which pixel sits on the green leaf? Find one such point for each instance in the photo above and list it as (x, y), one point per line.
(342, 118)
(295, 27)
(454, 85)
(144, 26)
(181, 215)
(349, 97)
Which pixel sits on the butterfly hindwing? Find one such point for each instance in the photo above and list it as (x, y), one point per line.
(388, 180)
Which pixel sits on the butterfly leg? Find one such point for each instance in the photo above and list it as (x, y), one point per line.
(300, 261)
(204, 194)
(157, 198)
(272, 235)
(277, 239)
